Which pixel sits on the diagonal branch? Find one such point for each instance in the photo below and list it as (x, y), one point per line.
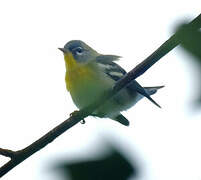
(165, 48)
(16, 157)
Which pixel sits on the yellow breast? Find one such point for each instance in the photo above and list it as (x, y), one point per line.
(77, 74)
(83, 81)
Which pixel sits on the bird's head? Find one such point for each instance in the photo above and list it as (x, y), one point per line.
(77, 52)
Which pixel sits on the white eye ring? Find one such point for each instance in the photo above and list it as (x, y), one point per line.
(78, 51)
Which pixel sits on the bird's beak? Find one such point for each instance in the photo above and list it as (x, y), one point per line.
(63, 50)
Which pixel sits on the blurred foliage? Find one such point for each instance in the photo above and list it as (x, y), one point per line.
(113, 166)
(190, 39)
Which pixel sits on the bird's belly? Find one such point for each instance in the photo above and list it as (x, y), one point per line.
(119, 102)
(86, 90)
(86, 94)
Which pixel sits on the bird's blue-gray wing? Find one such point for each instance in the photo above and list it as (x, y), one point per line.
(110, 68)
(116, 72)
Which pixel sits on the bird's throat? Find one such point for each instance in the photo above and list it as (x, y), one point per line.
(71, 63)
(77, 74)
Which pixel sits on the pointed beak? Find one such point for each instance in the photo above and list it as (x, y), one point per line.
(63, 50)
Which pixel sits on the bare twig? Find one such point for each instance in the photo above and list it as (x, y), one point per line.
(19, 156)
(7, 153)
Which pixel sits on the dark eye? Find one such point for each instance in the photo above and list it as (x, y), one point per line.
(78, 50)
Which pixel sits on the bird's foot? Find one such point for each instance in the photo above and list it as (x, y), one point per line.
(74, 113)
(82, 121)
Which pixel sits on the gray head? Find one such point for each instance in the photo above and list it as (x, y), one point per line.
(80, 51)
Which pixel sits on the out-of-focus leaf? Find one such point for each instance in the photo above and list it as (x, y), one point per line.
(190, 39)
(113, 166)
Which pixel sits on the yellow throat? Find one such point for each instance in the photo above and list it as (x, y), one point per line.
(76, 73)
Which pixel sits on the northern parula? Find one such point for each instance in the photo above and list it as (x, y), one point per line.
(89, 74)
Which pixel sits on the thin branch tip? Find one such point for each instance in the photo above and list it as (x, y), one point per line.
(7, 153)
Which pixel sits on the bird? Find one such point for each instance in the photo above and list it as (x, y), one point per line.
(89, 74)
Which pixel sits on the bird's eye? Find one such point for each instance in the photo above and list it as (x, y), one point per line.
(78, 50)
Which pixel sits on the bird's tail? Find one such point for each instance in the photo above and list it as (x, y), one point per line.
(121, 119)
(152, 90)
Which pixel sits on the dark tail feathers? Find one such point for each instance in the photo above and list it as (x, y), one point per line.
(121, 119)
(152, 90)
